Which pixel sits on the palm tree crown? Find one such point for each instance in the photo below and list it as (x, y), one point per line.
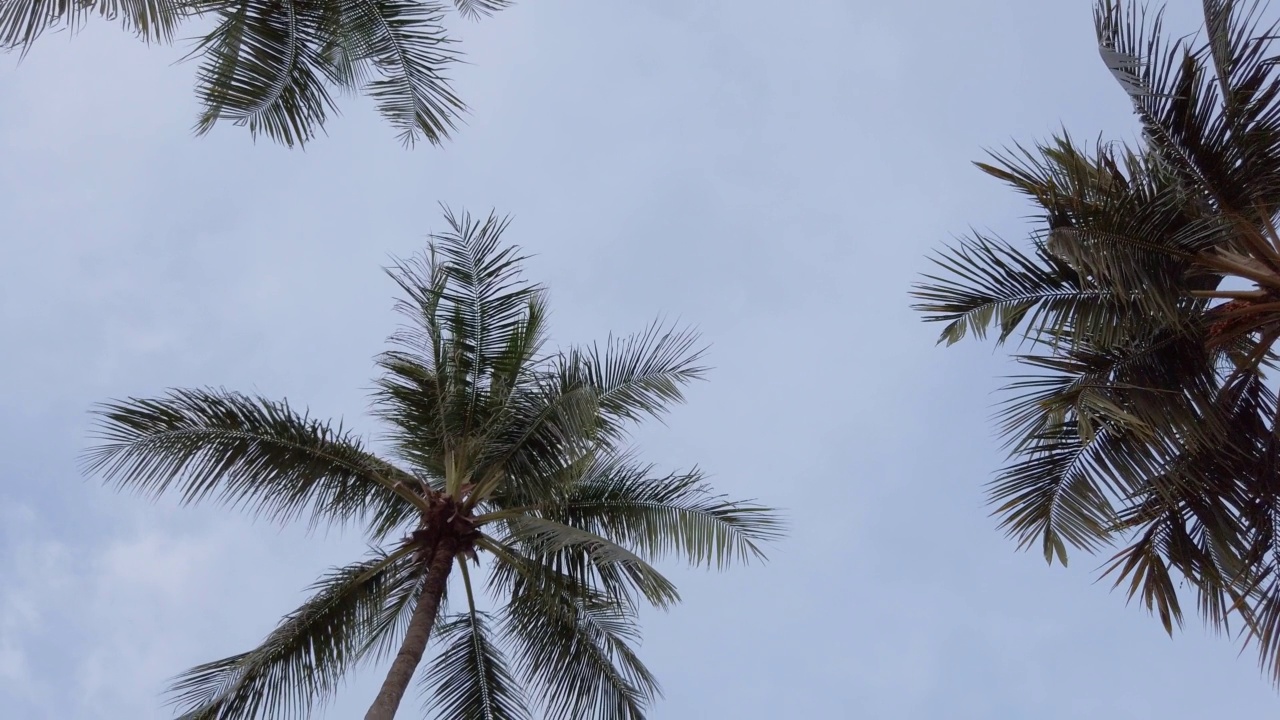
(1148, 308)
(500, 457)
(272, 65)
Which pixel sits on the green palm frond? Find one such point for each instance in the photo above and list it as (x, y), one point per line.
(304, 659)
(22, 22)
(261, 69)
(476, 9)
(571, 639)
(473, 333)
(470, 678)
(575, 647)
(660, 516)
(1093, 428)
(1121, 249)
(537, 433)
(634, 377)
(1052, 493)
(592, 560)
(406, 44)
(1115, 216)
(1166, 383)
(247, 452)
(271, 65)
(486, 299)
(991, 284)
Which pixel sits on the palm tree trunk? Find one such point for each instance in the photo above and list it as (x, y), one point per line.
(415, 638)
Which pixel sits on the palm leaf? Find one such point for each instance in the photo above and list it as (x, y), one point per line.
(247, 452)
(990, 284)
(660, 516)
(469, 679)
(304, 659)
(22, 22)
(406, 43)
(265, 68)
(576, 648)
(592, 560)
(633, 377)
(476, 9)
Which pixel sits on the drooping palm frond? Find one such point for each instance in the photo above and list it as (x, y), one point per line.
(303, 660)
(574, 645)
(592, 560)
(476, 9)
(470, 678)
(262, 70)
(22, 22)
(247, 452)
(1094, 424)
(271, 65)
(406, 44)
(659, 516)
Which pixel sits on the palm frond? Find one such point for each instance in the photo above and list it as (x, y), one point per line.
(1093, 428)
(535, 433)
(592, 560)
(264, 68)
(406, 43)
(247, 452)
(991, 284)
(1218, 126)
(22, 22)
(477, 9)
(485, 299)
(575, 648)
(473, 333)
(303, 660)
(470, 678)
(660, 516)
(633, 377)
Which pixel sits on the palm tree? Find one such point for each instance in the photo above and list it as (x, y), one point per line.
(272, 65)
(499, 455)
(1148, 309)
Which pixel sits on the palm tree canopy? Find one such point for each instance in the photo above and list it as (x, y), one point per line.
(273, 65)
(514, 455)
(1146, 311)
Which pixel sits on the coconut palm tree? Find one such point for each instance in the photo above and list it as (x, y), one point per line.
(1148, 309)
(273, 65)
(505, 473)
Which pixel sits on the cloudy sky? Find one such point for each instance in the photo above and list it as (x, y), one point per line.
(774, 174)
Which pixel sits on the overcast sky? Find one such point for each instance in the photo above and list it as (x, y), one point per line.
(772, 173)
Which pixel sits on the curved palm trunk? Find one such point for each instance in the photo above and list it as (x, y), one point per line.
(415, 638)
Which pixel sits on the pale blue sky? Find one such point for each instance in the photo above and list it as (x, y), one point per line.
(773, 173)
